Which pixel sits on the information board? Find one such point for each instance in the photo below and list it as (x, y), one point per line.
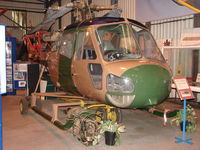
(183, 88)
(20, 75)
(2, 60)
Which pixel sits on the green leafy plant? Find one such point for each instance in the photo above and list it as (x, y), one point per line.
(190, 117)
(112, 126)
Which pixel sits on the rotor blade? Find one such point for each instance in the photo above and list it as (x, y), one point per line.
(113, 13)
(52, 15)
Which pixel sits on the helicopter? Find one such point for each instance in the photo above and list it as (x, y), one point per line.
(108, 59)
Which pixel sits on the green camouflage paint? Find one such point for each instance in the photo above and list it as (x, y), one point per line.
(65, 78)
(151, 85)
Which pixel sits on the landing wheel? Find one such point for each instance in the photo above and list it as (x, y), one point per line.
(101, 114)
(23, 106)
(115, 115)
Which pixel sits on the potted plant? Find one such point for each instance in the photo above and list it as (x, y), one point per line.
(111, 130)
(191, 122)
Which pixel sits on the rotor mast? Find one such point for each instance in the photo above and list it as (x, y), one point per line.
(83, 10)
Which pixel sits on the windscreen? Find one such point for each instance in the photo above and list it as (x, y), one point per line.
(120, 42)
(117, 42)
(148, 46)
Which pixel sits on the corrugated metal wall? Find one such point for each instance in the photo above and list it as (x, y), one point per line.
(171, 28)
(128, 8)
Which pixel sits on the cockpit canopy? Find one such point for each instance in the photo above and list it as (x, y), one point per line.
(127, 41)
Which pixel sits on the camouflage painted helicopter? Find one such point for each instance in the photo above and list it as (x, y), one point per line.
(113, 60)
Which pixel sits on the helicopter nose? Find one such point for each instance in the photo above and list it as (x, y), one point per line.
(151, 84)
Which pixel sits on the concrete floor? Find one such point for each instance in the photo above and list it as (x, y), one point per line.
(144, 131)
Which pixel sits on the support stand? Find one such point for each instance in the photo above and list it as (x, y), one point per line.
(183, 137)
(1, 141)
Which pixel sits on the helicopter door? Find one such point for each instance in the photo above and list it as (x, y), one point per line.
(85, 55)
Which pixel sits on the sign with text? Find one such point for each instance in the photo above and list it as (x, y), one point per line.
(2, 59)
(183, 88)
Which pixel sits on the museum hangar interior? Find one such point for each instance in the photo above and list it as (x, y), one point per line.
(99, 74)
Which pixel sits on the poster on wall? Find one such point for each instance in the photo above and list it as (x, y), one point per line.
(20, 71)
(10, 59)
(9, 66)
(2, 60)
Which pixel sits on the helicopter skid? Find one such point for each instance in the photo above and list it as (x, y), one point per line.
(69, 101)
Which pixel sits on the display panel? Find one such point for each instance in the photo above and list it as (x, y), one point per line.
(183, 88)
(2, 60)
(10, 59)
(9, 66)
(20, 71)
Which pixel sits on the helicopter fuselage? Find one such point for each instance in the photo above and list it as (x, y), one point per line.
(111, 60)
